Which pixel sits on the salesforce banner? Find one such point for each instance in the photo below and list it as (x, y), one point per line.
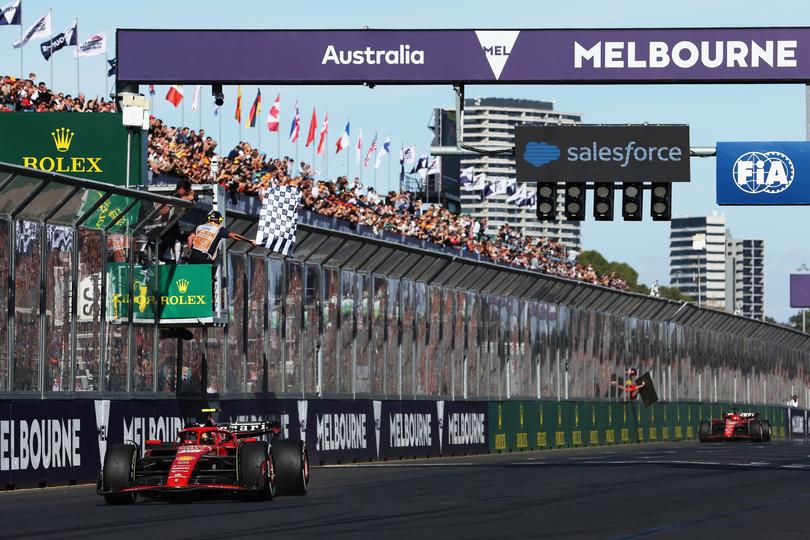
(763, 173)
(602, 153)
(664, 55)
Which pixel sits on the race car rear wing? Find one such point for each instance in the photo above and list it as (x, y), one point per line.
(252, 429)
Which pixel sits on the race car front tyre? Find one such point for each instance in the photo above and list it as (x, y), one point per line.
(120, 462)
(704, 430)
(292, 466)
(755, 431)
(766, 430)
(255, 469)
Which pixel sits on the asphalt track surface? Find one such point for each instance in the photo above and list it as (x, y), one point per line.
(678, 490)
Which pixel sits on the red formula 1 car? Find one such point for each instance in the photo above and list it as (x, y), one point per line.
(735, 426)
(226, 459)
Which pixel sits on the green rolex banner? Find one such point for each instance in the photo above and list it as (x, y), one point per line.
(91, 146)
(184, 293)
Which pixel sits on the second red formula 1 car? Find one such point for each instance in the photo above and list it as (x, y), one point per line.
(226, 459)
(735, 426)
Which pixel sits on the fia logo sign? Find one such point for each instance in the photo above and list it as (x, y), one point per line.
(763, 172)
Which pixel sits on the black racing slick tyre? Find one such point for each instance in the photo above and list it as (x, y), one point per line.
(756, 431)
(120, 462)
(704, 430)
(292, 466)
(766, 430)
(255, 469)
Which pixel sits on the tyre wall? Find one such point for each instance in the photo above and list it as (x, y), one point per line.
(58, 442)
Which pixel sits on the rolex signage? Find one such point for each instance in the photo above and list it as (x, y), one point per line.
(92, 146)
(183, 293)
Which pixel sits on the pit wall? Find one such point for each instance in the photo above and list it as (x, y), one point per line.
(58, 442)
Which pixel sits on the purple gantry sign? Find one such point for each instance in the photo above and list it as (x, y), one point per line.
(465, 56)
(800, 290)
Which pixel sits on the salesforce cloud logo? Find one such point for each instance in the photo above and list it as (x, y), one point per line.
(539, 154)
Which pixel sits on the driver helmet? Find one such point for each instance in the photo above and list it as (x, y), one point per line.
(214, 217)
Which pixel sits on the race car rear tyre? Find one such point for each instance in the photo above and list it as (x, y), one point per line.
(756, 431)
(255, 470)
(704, 430)
(766, 430)
(292, 467)
(120, 462)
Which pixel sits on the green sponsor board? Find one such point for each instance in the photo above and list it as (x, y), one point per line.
(184, 293)
(91, 146)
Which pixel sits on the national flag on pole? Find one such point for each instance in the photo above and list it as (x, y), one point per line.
(278, 219)
(295, 127)
(92, 46)
(175, 94)
(371, 150)
(58, 42)
(324, 132)
(151, 89)
(313, 125)
(255, 109)
(407, 155)
(343, 140)
(359, 147)
(384, 151)
(195, 99)
(113, 69)
(40, 28)
(273, 114)
(238, 113)
(11, 14)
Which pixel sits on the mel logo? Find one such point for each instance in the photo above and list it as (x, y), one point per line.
(497, 45)
(763, 172)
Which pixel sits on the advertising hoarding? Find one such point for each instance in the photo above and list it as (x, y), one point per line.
(184, 293)
(602, 153)
(769, 173)
(800, 290)
(631, 55)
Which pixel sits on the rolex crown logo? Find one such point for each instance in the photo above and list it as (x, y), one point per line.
(182, 285)
(62, 137)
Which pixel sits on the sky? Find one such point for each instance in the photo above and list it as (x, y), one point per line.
(713, 112)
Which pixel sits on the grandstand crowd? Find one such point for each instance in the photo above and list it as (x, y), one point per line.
(186, 153)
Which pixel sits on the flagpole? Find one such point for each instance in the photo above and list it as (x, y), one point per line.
(76, 35)
(22, 71)
(106, 65)
(182, 112)
(50, 60)
(278, 139)
(199, 113)
(389, 171)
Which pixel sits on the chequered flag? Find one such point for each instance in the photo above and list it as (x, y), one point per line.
(279, 219)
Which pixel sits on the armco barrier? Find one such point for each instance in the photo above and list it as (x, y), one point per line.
(47, 442)
(517, 426)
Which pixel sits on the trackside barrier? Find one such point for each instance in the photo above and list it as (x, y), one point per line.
(53, 442)
(517, 426)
